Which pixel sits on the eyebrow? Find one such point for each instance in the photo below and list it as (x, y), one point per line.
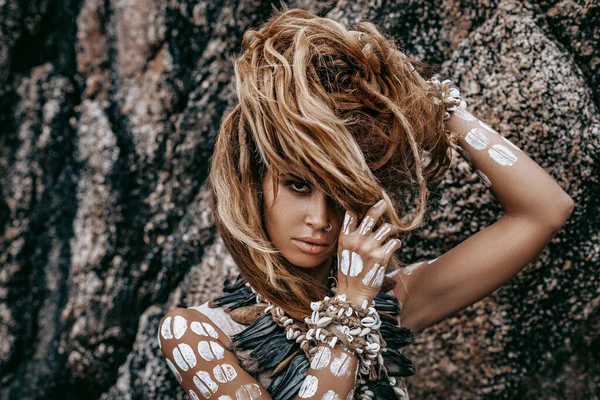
(290, 175)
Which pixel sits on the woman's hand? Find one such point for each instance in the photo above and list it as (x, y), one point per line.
(363, 255)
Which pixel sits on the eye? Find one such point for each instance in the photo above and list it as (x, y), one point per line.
(295, 184)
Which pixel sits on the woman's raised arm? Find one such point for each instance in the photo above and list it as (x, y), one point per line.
(535, 207)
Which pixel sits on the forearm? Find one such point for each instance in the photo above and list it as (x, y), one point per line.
(332, 374)
(519, 184)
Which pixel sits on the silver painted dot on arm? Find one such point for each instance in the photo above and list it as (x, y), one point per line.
(464, 115)
(477, 139)
(174, 370)
(330, 395)
(210, 350)
(205, 384)
(250, 391)
(224, 373)
(321, 358)
(502, 155)
(382, 231)
(340, 366)
(179, 326)
(309, 387)
(193, 395)
(165, 329)
(188, 354)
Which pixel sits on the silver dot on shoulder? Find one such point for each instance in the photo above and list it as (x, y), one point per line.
(179, 326)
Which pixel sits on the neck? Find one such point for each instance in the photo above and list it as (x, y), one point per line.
(319, 273)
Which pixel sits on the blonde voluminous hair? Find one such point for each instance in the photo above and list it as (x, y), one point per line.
(345, 110)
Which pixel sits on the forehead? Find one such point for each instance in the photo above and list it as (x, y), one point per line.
(287, 170)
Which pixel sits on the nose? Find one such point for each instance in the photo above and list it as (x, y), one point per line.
(317, 212)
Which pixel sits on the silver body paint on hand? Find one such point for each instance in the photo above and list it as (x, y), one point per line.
(357, 264)
(382, 232)
(375, 276)
(366, 225)
(390, 245)
(345, 261)
(347, 221)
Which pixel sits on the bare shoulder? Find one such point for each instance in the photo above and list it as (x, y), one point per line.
(176, 322)
(191, 345)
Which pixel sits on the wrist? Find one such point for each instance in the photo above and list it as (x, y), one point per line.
(356, 297)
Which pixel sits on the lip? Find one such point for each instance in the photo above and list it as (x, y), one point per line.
(312, 240)
(310, 247)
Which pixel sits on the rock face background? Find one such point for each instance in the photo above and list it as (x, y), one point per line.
(108, 114)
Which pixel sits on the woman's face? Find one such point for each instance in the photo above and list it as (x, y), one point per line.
(299, 213)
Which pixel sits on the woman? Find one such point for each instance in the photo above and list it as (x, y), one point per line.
(335, 141)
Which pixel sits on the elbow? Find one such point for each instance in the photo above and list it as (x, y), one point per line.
(563, 212)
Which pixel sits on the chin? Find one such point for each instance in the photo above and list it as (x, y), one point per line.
(308, 261)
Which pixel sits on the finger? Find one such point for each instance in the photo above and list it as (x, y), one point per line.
(386, 230)
(391, 246)
(372, 216)
(350, 221)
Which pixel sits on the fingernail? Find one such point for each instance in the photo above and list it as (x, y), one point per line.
(379, 203)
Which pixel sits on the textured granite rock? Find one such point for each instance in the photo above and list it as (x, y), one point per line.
(109, 113)
(526, 87)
